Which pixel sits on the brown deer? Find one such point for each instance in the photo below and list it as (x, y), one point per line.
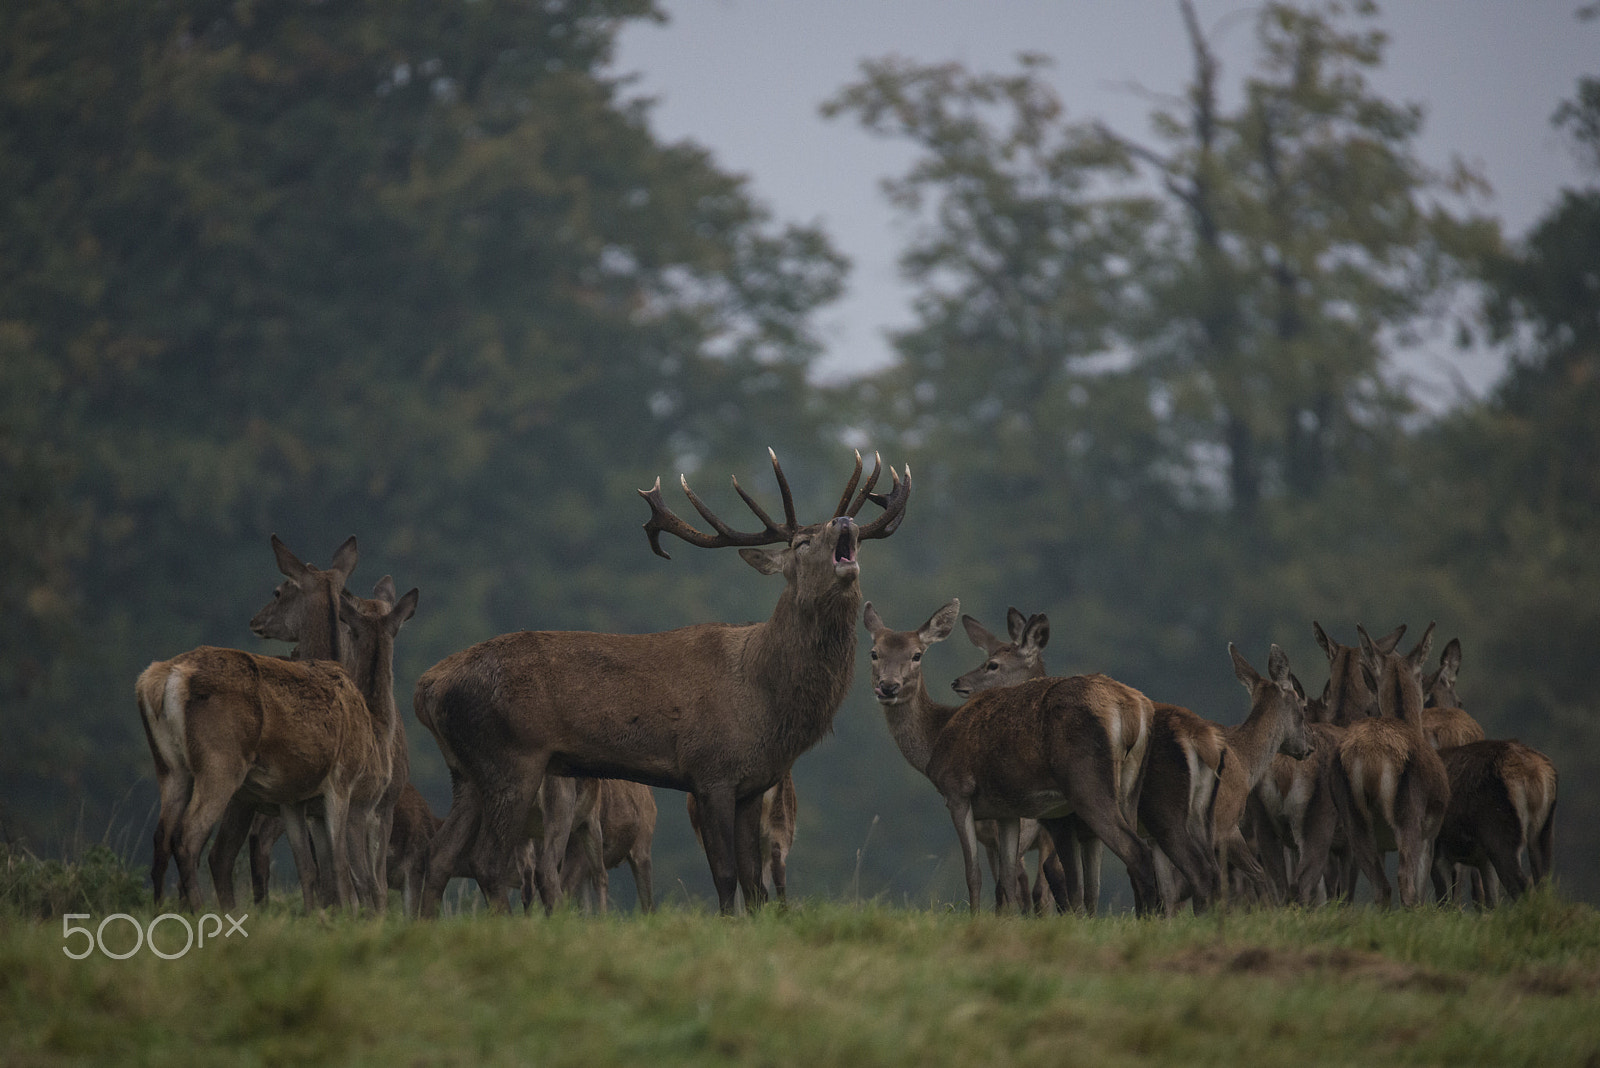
(1502, 803)
(1447, 724)
(1181, 766)
(623, 826)
(1040, 749)
(1006, 663)
(410, 835)
(1389, 784)
(1296, 810)
(562, 805)
(1275, 726)
(718, 710)
(779, 811)
(223, 723)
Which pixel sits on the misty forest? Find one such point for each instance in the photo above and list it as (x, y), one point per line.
(423, 274)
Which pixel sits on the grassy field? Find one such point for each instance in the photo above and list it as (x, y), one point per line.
(820, 983)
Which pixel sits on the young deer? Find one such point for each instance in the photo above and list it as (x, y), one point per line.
(719, 711)
(621, 829)
(1389, 784)
(1181, 766)
(1447, 724)
(1039, 750)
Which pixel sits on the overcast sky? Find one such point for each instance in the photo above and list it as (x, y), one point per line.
(745, 78)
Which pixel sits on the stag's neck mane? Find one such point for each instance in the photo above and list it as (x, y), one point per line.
(803, 659)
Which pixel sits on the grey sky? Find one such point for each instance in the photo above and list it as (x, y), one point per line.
(745, 77)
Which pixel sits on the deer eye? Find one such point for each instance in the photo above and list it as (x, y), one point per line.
(993, 665)
(916, 658)
(874, 654)
(801, 543)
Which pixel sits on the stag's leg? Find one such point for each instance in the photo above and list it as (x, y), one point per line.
(233, 831)
(716, 806)
(747, 851)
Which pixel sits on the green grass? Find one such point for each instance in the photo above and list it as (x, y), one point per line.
(823, 983)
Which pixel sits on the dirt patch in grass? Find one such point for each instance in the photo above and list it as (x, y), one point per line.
(1286, 963)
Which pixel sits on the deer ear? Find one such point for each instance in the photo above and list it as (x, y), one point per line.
(978, 634)
(288, 563)
(385, 591)
(871, 620)
(403, 609)
(1323, 640)
(766, 561)
(1278, 666)
(1247, 675)
(941, 623)
(1035, 636)
(1450, 661)
(1016, 622)
(345, 557)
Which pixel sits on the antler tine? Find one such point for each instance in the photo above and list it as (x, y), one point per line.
(850, 487)
(662, 520)
(866, 491)
(894, 507)
(788, 498)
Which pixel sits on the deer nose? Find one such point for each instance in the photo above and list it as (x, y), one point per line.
(888, 689)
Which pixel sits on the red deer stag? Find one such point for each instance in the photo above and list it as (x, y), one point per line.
(1502, 803)
(779, 811)
(718, 710)
(226, 725)
(1041, 749)
(1389, 784)
(1181, 766)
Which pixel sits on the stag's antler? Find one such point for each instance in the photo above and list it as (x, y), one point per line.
(662, 520)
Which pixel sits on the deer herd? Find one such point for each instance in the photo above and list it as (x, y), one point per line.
(554, 739)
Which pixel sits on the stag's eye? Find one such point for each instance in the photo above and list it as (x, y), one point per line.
(801, 543)
(874, 654)
(993, 665)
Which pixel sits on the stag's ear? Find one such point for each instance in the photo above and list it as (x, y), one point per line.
(941, 623)
(979, 635)
(765, 560)
(1035, 636)
(288, 562)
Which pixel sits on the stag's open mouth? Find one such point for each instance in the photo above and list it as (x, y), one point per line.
(844, 550)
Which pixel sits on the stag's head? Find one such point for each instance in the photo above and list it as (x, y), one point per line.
(306, 602)
(1008, 662)
(897, 654)
(813, 558)
(1350, 694)
(1278, 692)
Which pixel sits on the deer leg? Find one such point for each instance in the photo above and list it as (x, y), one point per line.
(232, 832)
(747, 851)
(1007, 836)
(448, 848)
(1097, 808)
(716, 806)
(265, 830)
(176, 788)
(967, 834)
(1090, 853)
(639, 863)
(560, 803)
(1541, 847)
(780, 872)
(1063, 877)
